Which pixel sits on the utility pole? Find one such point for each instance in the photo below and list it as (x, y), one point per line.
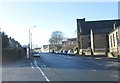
(30, 43)
(31, 40)
(28, 54)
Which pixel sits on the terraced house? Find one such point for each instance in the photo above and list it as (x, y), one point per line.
(93, 36)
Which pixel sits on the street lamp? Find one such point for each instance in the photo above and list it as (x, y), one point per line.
(30, 41)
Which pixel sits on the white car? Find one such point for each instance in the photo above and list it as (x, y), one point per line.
(36, 54)
(70, 52)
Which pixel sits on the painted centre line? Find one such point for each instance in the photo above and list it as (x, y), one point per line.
(46, 78)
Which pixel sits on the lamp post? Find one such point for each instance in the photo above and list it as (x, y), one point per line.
(30, 42)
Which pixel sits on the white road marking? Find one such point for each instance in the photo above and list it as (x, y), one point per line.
(44, 65)
(116, 76)
(68, 57)
(46, 78)
(98, 58)
(32, 65)
(35, 61)
(94, 70)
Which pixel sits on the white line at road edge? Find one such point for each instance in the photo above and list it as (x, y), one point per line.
(46, 78)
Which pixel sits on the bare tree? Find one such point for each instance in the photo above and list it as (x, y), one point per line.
(56, 40)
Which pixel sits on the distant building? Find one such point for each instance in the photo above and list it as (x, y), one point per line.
(37, 49)
(93, 35)
(64, 44)
(69, 44)
(114, 42)
(45, 48)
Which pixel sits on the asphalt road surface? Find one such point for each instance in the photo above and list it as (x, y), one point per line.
(57, 67)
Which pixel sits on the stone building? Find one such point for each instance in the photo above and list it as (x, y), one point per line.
(69, 44)
(45, 48)
(38, 49)
(114, 42)
(93, 35)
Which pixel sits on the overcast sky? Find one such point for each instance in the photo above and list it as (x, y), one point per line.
(17, 17)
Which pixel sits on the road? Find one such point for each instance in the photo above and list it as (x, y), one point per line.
(57, 67)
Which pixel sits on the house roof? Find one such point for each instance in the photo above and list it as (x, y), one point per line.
(101, 26)
(69, 39)
(114, 29)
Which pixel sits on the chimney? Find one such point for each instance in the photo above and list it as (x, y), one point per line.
(114, 25)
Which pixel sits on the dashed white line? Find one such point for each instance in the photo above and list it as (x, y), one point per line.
(35, 62)
(94, 70)
(47, 68)
(116, 76)
(44, 65)
(68, 57)
(32, 65)
(46, 78)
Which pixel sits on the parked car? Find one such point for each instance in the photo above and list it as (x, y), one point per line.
(56, 52)
(65, 51)
(53, 51)
(36, 54)
(70, 52)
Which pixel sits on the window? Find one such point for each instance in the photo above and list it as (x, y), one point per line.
(111, 40)
(117, 35)
(114, 40)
